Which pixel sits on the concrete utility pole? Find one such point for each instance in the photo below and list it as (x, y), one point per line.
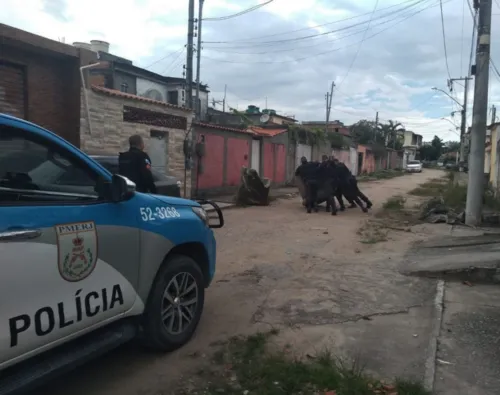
(463, 125)
(198, 58)
(329, 96)
(189, 58)
(376, 125)
(475, 187)
(493, 114)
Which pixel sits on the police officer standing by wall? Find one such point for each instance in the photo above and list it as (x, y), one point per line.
(135, 164)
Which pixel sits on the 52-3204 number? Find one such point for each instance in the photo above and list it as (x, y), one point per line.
(152, 214)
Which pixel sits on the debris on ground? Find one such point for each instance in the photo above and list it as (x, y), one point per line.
(436, 211)
(253, 190)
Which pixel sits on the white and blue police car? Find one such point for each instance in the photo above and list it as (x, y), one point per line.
(87, 263)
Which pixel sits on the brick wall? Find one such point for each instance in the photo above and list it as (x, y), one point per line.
(40, 81)
(110, 134)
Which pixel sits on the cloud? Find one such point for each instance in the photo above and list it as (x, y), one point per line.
(262, 57)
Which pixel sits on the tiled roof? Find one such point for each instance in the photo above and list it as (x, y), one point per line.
(266, 132)
(116, 93)
(220, 127)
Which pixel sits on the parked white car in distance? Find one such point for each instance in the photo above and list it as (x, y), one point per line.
(414, 166)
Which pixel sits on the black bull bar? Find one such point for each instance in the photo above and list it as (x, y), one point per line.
(219, 218)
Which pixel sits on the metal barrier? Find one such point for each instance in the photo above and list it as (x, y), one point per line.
(218, 211)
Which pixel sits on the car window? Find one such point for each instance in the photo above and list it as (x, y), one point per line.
(32, 168)
(414, 162)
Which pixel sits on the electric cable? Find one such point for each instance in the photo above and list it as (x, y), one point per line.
(224, 18)
(329, 51)
(311, 35)
(359, 47)
(444, 39)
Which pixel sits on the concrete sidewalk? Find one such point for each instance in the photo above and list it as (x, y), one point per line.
(467, 359)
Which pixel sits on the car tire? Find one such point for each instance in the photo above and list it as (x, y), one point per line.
(161, 327)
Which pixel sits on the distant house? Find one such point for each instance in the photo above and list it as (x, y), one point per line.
(251, 116)
(333, 126)
(492, 159)
(121, 74)
(411, 143)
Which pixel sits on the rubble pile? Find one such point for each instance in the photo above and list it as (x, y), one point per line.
(253, 190)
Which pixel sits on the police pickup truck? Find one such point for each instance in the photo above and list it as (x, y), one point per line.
(88, 265)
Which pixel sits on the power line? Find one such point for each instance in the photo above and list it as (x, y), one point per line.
(322, 25)
(362, 30)
(329, 51)
(249, 43)
(444, 39)
(164, 57)
(462, 40)
(224, 18)
(360, 44)
(497, 73)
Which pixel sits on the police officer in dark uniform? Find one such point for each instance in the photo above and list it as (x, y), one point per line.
(135, 164)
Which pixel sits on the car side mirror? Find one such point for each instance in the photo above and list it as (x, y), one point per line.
(121, 188)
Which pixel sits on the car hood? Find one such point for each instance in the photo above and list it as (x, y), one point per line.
(175, 201)
(414, 165)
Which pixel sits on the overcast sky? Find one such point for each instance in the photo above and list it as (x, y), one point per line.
(383, 55)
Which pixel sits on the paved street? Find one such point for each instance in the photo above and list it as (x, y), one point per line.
(308, 275)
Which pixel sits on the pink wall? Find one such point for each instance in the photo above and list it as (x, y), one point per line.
(280, 163)
(342, 155)
(213, 162)
(238, 151)
(269, 161)
(368, 165)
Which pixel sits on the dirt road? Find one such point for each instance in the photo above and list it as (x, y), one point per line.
(307, 274)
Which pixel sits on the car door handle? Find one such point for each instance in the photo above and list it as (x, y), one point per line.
(22, 234)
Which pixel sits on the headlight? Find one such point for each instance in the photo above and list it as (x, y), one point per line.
(201, 213)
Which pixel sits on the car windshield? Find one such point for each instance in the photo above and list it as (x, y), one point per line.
(414, 162)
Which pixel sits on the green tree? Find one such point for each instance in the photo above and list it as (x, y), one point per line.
(451, 146)
(432, 150)
(366, 132)
(392, 133)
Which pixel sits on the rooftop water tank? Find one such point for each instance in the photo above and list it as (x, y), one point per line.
(99, 46)
(79, 44)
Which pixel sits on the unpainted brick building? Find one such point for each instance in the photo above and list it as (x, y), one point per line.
(40, 81)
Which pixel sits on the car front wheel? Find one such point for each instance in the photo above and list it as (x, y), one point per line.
(175, 304)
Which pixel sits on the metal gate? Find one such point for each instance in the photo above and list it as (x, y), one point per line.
(13, 96)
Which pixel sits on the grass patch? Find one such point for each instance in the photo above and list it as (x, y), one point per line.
(250, 366)
(394, 203)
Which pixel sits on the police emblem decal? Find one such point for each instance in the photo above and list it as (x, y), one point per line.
(77, 250)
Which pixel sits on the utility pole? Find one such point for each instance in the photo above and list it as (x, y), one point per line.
(224, 100)
(198, 58)
(375, 129)
(329, 96)
(493, 114)
(475, 187)
(189, 58)
(463, 124)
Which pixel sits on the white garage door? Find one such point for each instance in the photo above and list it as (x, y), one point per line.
(303, 150)
(157, 151)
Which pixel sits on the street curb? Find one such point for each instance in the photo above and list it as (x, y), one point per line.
(430, 362)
